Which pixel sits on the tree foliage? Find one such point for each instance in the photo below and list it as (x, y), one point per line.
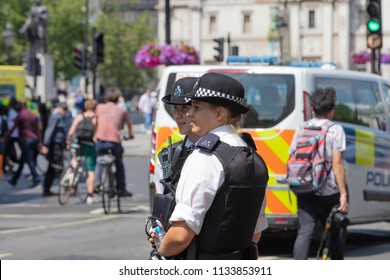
(66, 30)
(122, 41)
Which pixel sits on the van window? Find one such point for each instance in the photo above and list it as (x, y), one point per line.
(270, 97)
(357, 102)
(386, 95)
(7, 91)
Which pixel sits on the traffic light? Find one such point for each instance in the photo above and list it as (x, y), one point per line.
(98, 48)
(374, 24)
(219, 48)
(80, 59)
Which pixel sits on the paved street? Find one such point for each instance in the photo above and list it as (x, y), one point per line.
(27, 218)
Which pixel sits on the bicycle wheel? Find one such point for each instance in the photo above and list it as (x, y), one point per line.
(107, 193)
(66, 185)
(81, 187)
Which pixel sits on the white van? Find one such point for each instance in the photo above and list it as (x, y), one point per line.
(279, 100)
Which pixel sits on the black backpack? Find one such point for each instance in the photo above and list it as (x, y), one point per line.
(85, 130)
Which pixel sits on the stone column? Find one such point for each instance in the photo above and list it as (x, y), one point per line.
(344, 27)
(295, 30)
(327, 37)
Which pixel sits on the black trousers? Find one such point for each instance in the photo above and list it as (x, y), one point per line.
(55, 166)
(313, 208)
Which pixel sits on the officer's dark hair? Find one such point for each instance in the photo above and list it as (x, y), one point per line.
(113, 94)
(323, 100)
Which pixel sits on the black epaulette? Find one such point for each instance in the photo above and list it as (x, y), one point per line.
(208, 142)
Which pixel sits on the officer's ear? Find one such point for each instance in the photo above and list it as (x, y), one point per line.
(221, 113)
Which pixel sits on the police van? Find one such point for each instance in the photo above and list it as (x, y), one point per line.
(278, 97)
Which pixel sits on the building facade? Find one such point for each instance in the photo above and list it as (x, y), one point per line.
(322, 30)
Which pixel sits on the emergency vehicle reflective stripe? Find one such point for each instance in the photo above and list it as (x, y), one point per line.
(280, 202)
(273, 146)
(163, 133)
(365, 148)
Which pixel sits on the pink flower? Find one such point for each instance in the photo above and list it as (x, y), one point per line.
(151, 55)
(360, 57)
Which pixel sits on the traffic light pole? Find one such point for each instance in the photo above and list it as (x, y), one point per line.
(376, 61)
(167, 23)
(84, 60)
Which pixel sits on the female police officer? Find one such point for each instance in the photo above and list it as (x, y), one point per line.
(221, 189)
(181, 104)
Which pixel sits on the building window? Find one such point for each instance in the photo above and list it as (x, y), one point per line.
(312, 19)
(247, 23)
(213, 24)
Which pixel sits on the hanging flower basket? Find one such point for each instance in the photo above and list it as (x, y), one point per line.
(360, 57)
(150, 56)
(385, 58)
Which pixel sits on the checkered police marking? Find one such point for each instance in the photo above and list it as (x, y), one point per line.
(204, 92)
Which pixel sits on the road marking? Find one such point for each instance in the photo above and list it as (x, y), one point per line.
(134, 214)
(4, 255)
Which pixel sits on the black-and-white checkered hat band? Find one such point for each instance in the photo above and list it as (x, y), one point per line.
(204, 92)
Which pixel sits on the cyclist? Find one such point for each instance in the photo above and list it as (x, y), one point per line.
(84, 135)
(110, 120)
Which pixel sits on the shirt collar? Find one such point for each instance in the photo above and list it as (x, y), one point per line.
(222, 130)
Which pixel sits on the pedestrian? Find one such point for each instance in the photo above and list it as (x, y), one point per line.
(222, 184)
(82, 132)
(54, 144)
(29, 128)
(314, 207)
(146, 106)
(10, 155)
(3, 131)
(110, 120)
(181, 105)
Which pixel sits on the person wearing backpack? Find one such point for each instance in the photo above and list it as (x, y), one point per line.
(328, 187)
(82, 130)
(222, 184)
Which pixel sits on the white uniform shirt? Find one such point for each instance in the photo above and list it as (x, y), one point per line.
(334, 141)
(202, 175)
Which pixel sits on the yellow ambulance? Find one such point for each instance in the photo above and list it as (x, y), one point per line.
(13, 84)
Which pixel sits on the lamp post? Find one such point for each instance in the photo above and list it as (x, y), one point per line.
(8, 36)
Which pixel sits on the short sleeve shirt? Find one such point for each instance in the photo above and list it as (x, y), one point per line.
(110, 119)
(27, 123)
(334, 141)
(201, 177)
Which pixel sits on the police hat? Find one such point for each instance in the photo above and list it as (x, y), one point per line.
(181, 89)
(221, 90)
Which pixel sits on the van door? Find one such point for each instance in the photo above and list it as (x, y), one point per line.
(364, 116)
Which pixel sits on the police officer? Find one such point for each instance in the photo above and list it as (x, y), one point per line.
(222, 184)
(181, 105)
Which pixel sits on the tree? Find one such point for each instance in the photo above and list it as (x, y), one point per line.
(122, 41)
(66, 30)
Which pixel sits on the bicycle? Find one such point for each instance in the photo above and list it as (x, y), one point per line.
(108, 183)
(108, 189)
(70, 177)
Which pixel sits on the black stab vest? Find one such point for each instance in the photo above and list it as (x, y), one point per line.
(230, 222)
